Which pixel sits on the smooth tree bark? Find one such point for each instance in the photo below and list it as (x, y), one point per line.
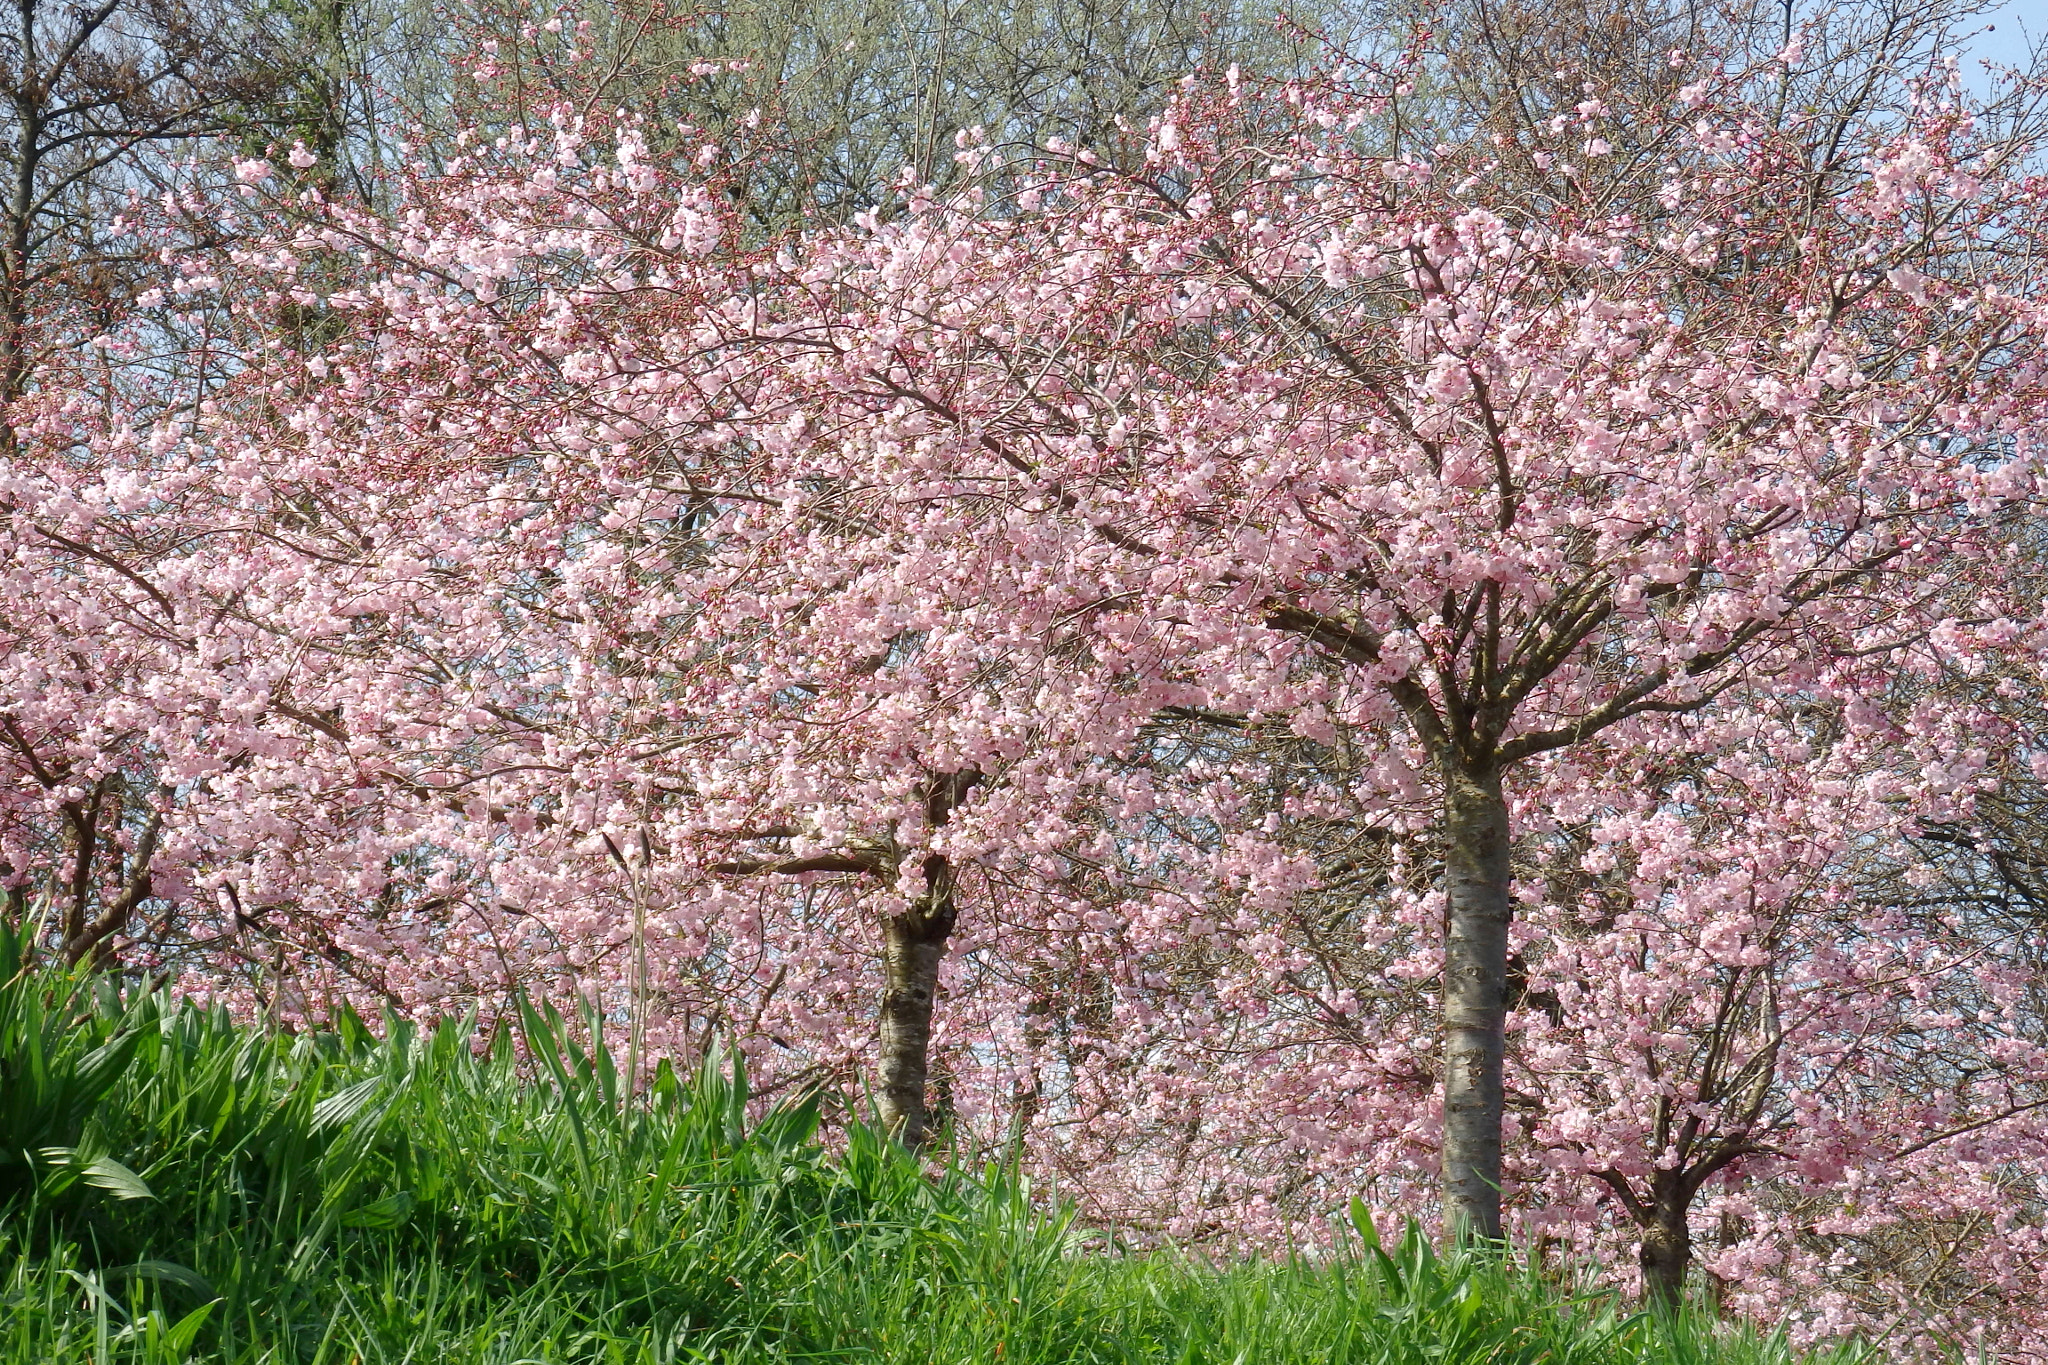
(915, 950)
(1477, 842)
(1475, 836)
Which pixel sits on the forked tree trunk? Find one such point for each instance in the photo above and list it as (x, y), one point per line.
(1474, 996)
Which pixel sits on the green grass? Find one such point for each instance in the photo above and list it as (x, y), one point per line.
(176, 1187)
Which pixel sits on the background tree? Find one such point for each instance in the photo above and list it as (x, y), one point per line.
(96, 104)
(855, 94)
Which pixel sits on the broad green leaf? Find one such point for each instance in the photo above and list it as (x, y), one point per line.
(343, 1105)
(1361, 1218)
(166, 1272)
(387, 1212)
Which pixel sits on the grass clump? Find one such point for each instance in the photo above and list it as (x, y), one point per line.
(176, 1187)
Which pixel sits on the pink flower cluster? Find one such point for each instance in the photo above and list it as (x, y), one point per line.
(590, 602)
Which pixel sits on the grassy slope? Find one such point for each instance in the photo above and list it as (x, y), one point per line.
(174, 1187)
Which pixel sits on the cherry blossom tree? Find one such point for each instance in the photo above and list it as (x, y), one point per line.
(1285, 660)
(1534, 467)
(524, 685)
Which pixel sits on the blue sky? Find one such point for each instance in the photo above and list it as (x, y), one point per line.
(2017, 23)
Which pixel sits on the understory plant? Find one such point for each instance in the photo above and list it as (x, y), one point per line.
(181, 1187)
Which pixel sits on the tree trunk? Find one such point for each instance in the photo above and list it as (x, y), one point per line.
(1475, 994)
(1666, 1249)
(916, 946)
